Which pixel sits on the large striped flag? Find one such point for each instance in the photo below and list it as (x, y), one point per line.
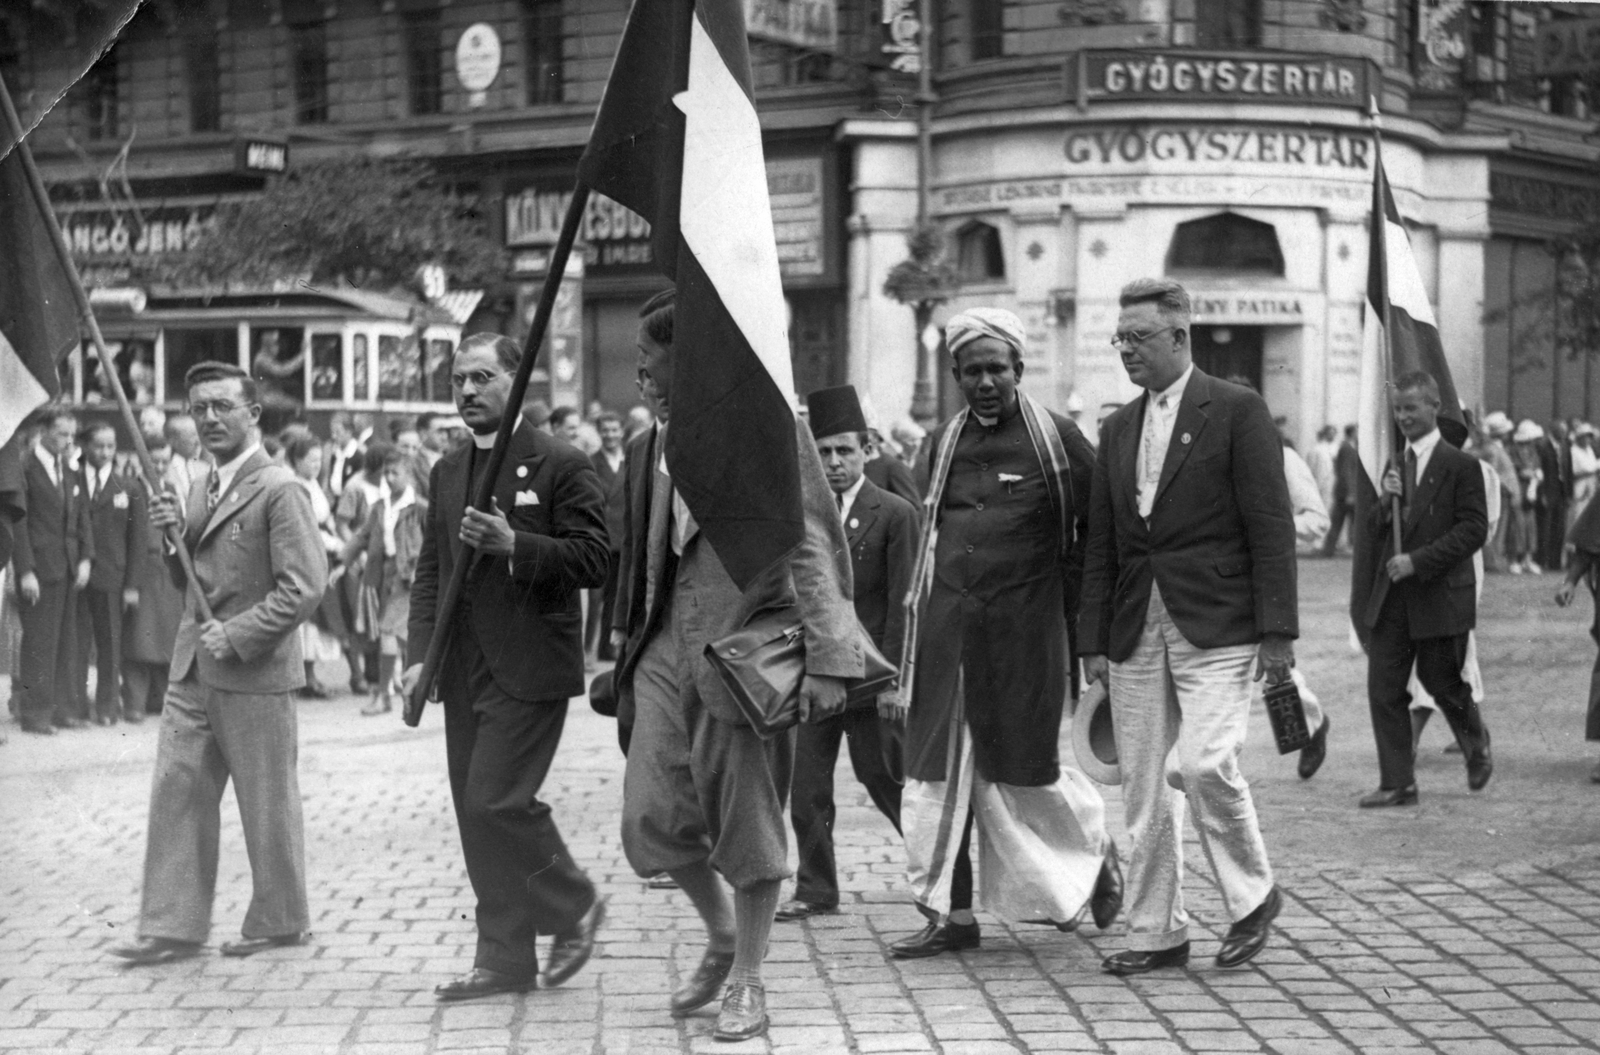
(38, 321)
(1399, 336)
(677, 141)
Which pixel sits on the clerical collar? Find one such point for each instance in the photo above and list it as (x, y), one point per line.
(483, 441)
(987, 423)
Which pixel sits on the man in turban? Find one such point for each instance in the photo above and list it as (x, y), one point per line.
(986, 660)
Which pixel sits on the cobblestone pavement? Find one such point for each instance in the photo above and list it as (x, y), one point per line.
(1465, 927)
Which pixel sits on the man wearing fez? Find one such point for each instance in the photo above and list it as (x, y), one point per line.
(985, 665)
(515, 659)
(230, 710)
(1189, 589)
(881, 529)
(703, 794)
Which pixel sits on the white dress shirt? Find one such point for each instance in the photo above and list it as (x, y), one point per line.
(226, 473)
(847, 498)
(47, 460)
(1423, 449)
(1160, 414)
(97, 479)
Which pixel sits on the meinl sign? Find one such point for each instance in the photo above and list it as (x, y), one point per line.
(1196, 76)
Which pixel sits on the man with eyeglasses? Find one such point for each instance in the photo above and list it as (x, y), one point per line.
(230, 708)
(515, 658)
(1189, 590)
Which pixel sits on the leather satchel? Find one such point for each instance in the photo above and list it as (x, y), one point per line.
(763, 663)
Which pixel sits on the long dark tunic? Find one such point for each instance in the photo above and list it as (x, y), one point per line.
(995, 620)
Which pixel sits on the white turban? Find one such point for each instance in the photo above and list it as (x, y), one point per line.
(974, 323)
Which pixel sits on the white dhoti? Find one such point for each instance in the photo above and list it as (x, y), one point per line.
(1040, 849)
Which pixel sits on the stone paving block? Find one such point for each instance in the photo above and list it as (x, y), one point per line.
(892, 1043)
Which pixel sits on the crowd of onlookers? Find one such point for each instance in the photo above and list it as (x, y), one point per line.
(91, 610)
(1538, 480)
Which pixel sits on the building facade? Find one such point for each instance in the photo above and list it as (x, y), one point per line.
(1075, 144)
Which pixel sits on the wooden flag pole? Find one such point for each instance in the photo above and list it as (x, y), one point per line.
(13, 128)
(1388, 351)
(497, 455)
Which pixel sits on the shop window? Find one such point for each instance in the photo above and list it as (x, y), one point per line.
(134, 359)
(1226, 243)
(1227, 23)
(308, 45)
(986, 18)
(542, 50)
(278, 363)
(185, 348)
(424, 66)
(979, 255)
(327, 367)
(99, 97)
(440, 356)
(399, 367)
(360, 368)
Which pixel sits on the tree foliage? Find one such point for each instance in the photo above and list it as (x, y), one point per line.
(924, 278)
(364, 222)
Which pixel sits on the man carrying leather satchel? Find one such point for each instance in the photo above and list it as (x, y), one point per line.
(882, 530)
(704, 794)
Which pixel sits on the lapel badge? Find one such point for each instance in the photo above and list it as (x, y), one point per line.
(522, 470)
(1184, 439)
(854, 523)
(238, 530)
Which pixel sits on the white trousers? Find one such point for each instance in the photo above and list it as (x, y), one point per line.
(1039, 848)
(1170, 694)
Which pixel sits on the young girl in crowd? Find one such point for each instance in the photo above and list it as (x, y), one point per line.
(391, 538)
(302, 452)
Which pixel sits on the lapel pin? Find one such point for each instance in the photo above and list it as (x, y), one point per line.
(854, 522)
(1184, 439)
(522, 470)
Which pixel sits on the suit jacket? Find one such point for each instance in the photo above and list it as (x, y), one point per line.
(891, 474)
(1220, 539)
(524, 610)
(882, 530)
(119, 526)
(815, 582)
(150, 628)
(55, 535)
(1346, 464)
(1446, 524)
(260, 562)
(612, 485)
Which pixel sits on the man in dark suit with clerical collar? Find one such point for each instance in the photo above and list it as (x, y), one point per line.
(1430, 603)
(1189, 588)
(985, 669)
(515, 658)
(882, 532)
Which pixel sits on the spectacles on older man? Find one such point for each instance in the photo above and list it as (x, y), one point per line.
(1133, 338)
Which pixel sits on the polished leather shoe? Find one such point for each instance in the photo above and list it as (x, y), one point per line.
(743, 1014)
(1143, 962)
(661, 881)
(1406, 796)
(1316, 752)
(1106, 901)
(1249, 936)
(791, 911)
(147, 951)
(702, 986)
(481, 981)
(1480, 766)
(39, 728)
(251, 946)
(936, 938)
(571, 951)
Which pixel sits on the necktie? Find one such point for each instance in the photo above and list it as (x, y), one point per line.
(1408, 483)
(839, 498)
(61, 475)
(213, 491)
(1154, 453)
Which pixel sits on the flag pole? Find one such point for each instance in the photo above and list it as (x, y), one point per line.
(497, 455)
(1388, 353)
(13, 128)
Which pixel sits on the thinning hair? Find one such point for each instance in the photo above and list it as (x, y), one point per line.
(1418, 381)
(506, 351)
(1169, 297)
(211, 370)
(658, 314)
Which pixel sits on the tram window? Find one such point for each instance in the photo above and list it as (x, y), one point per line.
(399, 367)
(135, 362)
(185, 348)
(327, 366)
(360, 368)
(440, 356)
(278, 361)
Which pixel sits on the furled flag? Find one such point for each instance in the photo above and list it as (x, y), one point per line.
(1399, 335)
(677, 141)
(38, 322)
